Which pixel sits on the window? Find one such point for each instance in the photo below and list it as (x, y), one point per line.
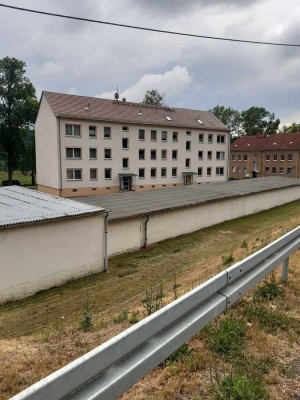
(188, 146)
(125, 143)
(93, 154)
(175, 136)
(163, 172)
(220, 155)
(141, 172)
(239, 170)
(245, 157)
(74, 174)
(289, 171)
(73, 152)
(188, 133)
(107, 132)
(141, 134)
(92, 132)
(174, 154)
(239, 157)
(200, 155)
(200, 171)
(164, 136)
(153, 136)
(210, 138)
(153, 154)
(267, 170)
(281, 170)
(245, 170)
(220, 138)
(174, 172)
(209, 155)
(274, 157)
(282, 157)
(164, 154)
(93, 174)
(208, 171)
(73, 130)
(153, 172)
(268, 157)
(107, 154)
(125, 163)
(141, 154)
(107, 173)
(219, 171)
(233, 157)
(200, 137)
(187, 163)
(125, 128)
(274, 170)
(290, 157)
(232, 169)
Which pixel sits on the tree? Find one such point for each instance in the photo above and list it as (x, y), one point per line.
(18, 110)
(294, 127)
(153, 97)
(27, 161)
(230, 117)
(259, 120)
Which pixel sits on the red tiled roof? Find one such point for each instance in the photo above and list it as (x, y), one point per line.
(282, 141)
(96, 109)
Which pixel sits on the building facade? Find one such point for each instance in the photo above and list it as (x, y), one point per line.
(88, 146)
(265, 155)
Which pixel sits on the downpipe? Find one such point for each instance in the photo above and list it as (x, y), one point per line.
(146, 232)
(106, 214)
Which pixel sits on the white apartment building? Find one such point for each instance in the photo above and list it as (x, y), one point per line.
(88, 146)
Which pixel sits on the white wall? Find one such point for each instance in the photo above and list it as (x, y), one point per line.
(39, 256)
(129, 235)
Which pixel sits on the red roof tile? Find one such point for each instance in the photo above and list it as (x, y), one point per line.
(96, 109)
(282, 141)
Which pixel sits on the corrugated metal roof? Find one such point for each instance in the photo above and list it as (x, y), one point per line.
(19, 205)
(96, 109)
(135, 204)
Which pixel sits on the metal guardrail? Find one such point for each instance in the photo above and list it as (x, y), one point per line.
(109, 370)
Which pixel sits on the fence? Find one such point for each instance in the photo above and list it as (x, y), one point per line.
(109, 370)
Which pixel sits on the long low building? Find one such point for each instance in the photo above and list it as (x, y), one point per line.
(46, 241)
(141, 218)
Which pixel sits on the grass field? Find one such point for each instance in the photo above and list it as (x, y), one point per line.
(41, 333)
(25, 180)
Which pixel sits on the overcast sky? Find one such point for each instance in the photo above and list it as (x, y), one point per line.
(91, 59)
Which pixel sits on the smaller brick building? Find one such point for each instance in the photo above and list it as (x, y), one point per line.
(265, 155)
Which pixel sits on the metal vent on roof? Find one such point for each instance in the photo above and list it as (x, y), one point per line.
(168, 118)
(248, 144)
(274, 143)
(140, 114)
(291, 142)
(200, 122)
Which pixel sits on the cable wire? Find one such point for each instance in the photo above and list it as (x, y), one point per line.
(148, 29)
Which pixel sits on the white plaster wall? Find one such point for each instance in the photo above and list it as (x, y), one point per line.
(124, 235)
(47, 147)
(39, 256)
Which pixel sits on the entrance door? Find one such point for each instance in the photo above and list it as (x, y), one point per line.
(187, 180)
(126, 183)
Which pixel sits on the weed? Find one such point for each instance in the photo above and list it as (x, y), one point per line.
(227, 259)
(134, 317)
(182, 352)
(122, 316)
(269, 320)
(269, 290)
(175, 287)
(86, 324)
(244, 245)
(153, 300)
(239, 387)
(228, 339)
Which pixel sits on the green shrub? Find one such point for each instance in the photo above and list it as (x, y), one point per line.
(86, 324)
(227, 259)
(269, 320)
(239, 387)
(244, 245)
(122, 316)
(228, 339)
(182, 352)
(269, 290)
(134, 317)
(153, 300)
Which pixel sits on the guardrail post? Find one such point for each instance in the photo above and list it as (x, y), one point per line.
(285, 270)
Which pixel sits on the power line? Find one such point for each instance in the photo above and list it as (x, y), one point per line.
(148, 29)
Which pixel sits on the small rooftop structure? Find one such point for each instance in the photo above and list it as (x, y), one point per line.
(20, 205)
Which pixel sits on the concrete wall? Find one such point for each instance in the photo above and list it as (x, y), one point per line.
(39, 256)
(129, 235)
